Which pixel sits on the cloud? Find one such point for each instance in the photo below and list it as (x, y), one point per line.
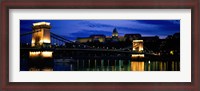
(87, 33)
(92, 24)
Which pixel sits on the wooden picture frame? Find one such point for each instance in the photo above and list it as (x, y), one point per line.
(99, 4)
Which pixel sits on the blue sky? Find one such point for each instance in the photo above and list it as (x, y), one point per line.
(72, 29)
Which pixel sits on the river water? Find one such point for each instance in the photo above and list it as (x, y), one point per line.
(98, 65)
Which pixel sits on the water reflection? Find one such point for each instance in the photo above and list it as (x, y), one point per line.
(99, 65)
(137, 66)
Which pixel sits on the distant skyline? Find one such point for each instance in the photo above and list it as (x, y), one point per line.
(71, 29)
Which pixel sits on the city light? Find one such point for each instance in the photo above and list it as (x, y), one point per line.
(34, 54)
(137, 56)
(135, 41)
(41, 23)
(46, 41)
(172, 52)
(44, 54)
(47, 54)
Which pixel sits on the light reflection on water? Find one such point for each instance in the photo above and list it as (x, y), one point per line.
(104, 65)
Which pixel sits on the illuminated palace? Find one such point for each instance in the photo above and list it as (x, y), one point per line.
(114, 38)
(135, 39)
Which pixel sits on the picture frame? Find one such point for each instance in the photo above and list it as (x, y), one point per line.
(89, 4)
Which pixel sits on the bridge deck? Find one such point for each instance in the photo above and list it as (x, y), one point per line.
(77, 49)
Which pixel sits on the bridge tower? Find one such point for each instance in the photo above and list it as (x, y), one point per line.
(41, 35)
(41, 39)
(138, 45)
(138, 48)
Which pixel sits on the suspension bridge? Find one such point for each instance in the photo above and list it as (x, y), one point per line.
(43, 39)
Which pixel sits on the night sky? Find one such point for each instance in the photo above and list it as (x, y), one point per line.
(71, 29)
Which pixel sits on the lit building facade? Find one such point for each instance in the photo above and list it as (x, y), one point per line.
(114, 38)
(115, 33)
(93, 38)
(98, 38)
(84, 40)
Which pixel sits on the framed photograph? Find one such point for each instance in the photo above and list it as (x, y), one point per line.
(100, 45)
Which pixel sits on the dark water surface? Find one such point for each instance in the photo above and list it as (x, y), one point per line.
(98, 65)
